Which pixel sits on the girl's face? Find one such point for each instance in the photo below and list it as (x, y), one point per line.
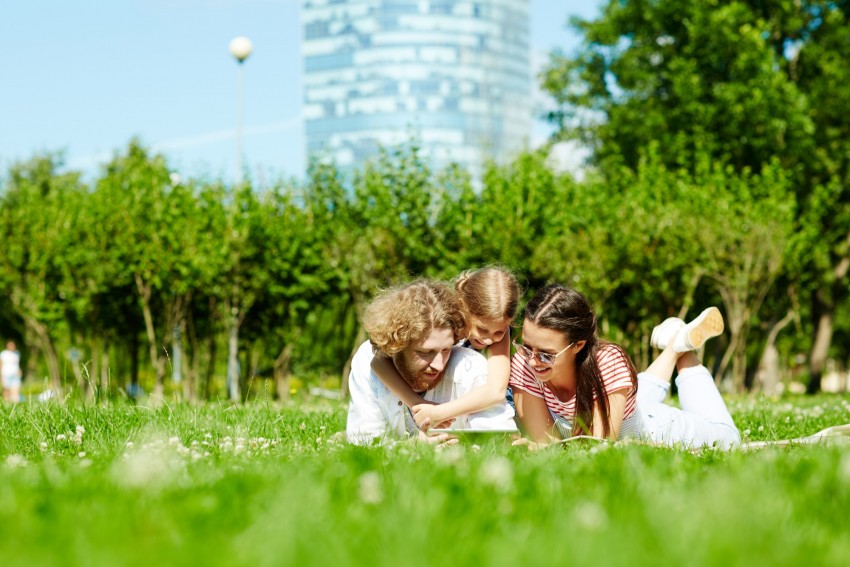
(549, 343)
(485, 332)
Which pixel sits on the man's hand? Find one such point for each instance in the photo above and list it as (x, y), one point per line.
(426, 414)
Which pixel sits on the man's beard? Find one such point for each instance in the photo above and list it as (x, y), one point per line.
(418, 382)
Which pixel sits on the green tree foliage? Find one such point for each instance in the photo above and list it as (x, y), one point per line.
(207, 278)
(158, 231)
(39, 210)
(745, 84)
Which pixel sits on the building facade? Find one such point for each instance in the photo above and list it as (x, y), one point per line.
(453, 75)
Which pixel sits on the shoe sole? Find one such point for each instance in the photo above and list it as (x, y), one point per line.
(708, 324)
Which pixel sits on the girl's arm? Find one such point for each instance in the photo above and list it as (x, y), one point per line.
(482, 397)
(535, 421)
(389, 376)
(616, 410)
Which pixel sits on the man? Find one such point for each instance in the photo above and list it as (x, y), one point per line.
(10, 372)
(417, 327)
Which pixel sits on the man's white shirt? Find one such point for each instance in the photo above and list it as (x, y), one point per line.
(375, 412)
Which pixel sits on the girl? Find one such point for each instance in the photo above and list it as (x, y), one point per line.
(490, 297)
(566, 381)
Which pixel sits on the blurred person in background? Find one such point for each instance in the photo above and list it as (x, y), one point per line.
(10, 372)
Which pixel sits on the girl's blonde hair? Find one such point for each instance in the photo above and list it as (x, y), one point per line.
(405, 314)
(489, 293)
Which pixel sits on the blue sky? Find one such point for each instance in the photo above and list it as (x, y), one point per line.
(85, 76)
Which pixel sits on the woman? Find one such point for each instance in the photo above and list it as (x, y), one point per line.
(566, 381)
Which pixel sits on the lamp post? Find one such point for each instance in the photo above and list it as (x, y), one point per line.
(240, 48)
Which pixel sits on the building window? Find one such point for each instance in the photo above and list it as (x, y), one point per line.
(328, 62)
(315, 30)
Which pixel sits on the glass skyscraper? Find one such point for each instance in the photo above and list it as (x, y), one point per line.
(453, 75)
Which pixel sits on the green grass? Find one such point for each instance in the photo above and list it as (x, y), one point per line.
(256, 485)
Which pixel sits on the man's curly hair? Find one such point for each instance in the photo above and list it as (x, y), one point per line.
(406, 314)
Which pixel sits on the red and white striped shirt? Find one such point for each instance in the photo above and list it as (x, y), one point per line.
(615, 376)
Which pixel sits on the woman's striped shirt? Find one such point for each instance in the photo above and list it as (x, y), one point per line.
(616, 375)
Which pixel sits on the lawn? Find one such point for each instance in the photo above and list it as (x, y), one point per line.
(260, 485)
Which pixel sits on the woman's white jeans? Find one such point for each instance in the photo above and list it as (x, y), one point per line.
(703, 419)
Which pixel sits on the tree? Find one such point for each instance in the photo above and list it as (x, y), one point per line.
(38, 208)
(746, 83)
(156, 230)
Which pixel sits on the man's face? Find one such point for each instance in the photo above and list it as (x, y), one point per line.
(422, 364)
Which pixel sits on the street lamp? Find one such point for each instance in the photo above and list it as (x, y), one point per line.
(240, 48)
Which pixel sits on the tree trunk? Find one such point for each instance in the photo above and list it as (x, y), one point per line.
(281, 372)
(46, 347)
(95, 392)
(252, 362)
(233, 360)
(208, 375)
(739, 363)
(34, 351)
(133, 390)
(145, 294)
(820, 349)
(825, 312)
(104, 371)
(767, 376)
(78, 377)
(192, 360)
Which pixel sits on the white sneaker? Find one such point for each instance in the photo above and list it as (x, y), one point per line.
(692, 336)
(663, 334)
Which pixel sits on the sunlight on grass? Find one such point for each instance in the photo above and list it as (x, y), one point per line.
(257, 485)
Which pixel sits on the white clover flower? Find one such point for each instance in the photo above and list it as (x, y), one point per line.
(600, 448)
(590, 515)
(80, 430)
(450, 454)
(15, 461)
(173, 441)
(61, 437)
(81, 454)
(302, 426)
(497, 472)
(149, 468)
(43, 446)
(370, 488)
(129, 444)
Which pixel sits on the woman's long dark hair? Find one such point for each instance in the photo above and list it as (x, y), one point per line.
(565, 310)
